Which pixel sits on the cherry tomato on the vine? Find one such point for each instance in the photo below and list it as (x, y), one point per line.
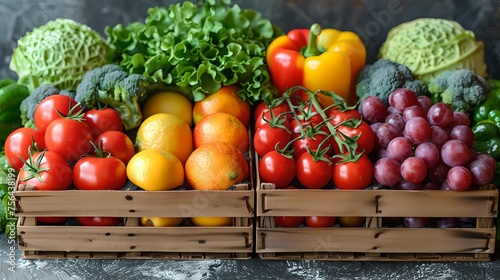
(288, 221)
(99, 221)
(266, 137)
(313, 174)
(277, 168)
(353, 174)
(337, 116)
(366, 140)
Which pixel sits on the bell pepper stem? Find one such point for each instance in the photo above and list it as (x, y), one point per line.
(312, 48)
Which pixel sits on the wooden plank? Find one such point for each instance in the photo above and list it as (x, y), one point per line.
(377, 203)
(136, 239)
(184, 203)
(372, 240)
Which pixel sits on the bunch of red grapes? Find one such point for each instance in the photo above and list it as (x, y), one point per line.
(424, 146)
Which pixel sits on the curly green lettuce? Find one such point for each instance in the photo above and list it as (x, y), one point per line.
(199, 48)
(58, 53)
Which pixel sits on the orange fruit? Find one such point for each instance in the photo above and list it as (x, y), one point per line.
(171, 103)
(221, 127)
(165, 132)
(216, 166)
(225, 100)
(155, 170)
(161, 222)
(212, 221)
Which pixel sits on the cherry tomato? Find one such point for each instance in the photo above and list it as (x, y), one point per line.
(99, 221)
(281, 108)
(101, 120)
(351, 221)
(313, 174)
(320, 221)
(277, 168)
(55, 172)
(69, 138)
(265, 117)
(366, 140)
(17, 144)
(337, 116)
(313, 138)
(47, 110)
(288, 221)
(93, 173)
(353, 175)
(266, 137)
(118, 144)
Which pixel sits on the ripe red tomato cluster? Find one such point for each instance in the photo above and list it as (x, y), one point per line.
(60, 152)
(297, 143)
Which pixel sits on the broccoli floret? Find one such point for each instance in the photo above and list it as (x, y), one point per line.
(111, 86)
(383, 77)
(28, 105)
(462, 89)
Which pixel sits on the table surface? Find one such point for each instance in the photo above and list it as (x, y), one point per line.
(371, 19)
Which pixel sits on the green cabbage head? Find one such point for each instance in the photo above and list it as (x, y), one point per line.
(58, 53)
(430, 46)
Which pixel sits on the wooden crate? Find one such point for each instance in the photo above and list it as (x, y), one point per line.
(132, 240)
(374, 241)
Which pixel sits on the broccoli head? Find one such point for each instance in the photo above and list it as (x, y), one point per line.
(383, 77)
(28, 105)
(462, 89)
(111, 86)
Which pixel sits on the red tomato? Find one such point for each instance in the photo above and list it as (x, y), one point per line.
(337, 116)
(265, 117)
(69, 138)
(276, 168)
(266, 137)
(288, 221)
(52, 220)
(46, 110)
(17, 144)
(99, 221)
(313, 138)
(353, 175)
(366, 140)
(118, 144)
(281, 108)
(313, 174)
(93, 173)
(102, 120)
(320, 221)
(55, 172)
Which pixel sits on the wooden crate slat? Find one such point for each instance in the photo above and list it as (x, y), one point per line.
(371, 240)
(377, 203)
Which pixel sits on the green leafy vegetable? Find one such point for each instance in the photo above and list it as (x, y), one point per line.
(58, 53)
(199, 48)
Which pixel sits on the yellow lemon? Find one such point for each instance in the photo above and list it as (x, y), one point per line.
(212, 221)
(165, 132)
(155, 170)
(171, 103)
(161, 222)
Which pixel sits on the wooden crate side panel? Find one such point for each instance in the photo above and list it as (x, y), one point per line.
(377, 203)
(136, 239)
(372, 240)
(136, 203)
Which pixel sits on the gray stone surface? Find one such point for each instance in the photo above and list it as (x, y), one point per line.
(369, 18)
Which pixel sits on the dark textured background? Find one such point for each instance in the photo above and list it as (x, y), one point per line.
(369, 18)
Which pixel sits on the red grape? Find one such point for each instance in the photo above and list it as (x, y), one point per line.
(413, 170)
(440, 114)
(392, 110)
(438, 172)
(397, 120)
(461, 118)
(386, 171)
(447, 223)
(438, 136)
(487, 158)
(481, 171)
(417, 130)
(373, 109)
(408, 186)
(459, 178)
(399, 148)
(463, 133)
(402, 98)
(385, 133)
(415, 222)
(414, 111)
(428, 152)
(455, 153)
(431, 186)
(425, 102)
